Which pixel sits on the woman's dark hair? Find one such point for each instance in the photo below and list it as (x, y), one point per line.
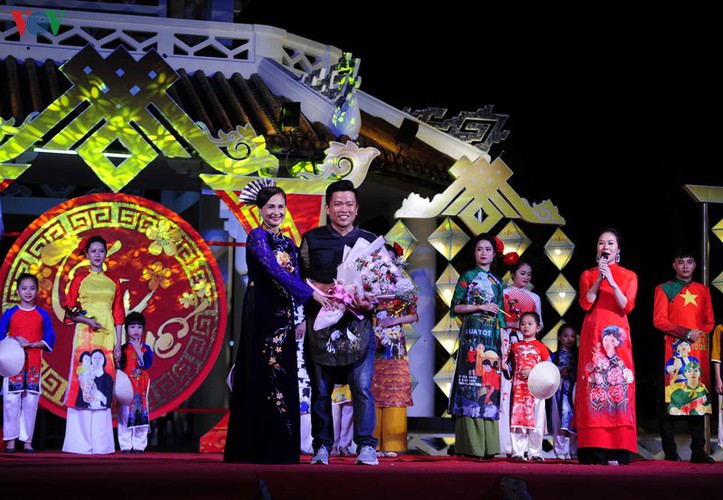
(340, 185)
(82, 354)
(520, 262)
(266, 193)
(486, 237)
(612, 230)
(496, 266)
(95, 239)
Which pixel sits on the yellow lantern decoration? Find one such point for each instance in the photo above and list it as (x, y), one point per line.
(411, 335)
(561, 295)
(718, 230)
(514, 239)
(444, 377)
(448, 239)
(447, 333)
(446, 283)
(559, 249)
(718, 282)
(401, 235)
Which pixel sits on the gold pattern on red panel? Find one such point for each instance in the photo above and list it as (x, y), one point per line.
(166, 270)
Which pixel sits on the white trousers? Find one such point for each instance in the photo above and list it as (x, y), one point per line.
(530, 440)
(89, 432)
(19, 412)
(306, 439)
(505, 439)
(131, 438)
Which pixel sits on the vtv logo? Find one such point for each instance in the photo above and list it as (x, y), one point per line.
(38, 23)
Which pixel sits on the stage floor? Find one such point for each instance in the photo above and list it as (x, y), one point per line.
(196, 475)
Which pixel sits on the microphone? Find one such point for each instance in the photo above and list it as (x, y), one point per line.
(605, 256)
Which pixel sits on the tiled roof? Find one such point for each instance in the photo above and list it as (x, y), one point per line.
(223, 103)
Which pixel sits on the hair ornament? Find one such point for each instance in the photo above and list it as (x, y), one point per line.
(511, 258)
(80, 249)
(499, 246)
(251, 191)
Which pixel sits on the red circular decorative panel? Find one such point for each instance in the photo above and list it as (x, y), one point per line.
(166, 270)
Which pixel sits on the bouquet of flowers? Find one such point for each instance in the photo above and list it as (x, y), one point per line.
(382, 277)
(366, 269)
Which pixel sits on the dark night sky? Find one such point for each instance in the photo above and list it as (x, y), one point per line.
(609, 114)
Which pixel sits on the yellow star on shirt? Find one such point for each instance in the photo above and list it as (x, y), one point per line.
(689, 298)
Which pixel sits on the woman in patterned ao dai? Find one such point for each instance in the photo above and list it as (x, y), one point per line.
(94, 304)
(475, 395)
(264, 419)
(605, 396)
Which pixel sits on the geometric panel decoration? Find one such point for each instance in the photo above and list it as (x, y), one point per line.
(448, 239)
(550, 339)
(167, 270)
(415, 382)
(718, 282)
(443, 378)
(403, 236)
(514, 239)
(446, 283)
(718, 230)
(561, 295)
(447, 333)
(559, 248)
(411, 335)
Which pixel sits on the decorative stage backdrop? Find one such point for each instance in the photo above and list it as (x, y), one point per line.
(167, 273)
(167, 269)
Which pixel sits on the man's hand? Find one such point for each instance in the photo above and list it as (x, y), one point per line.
(363, 302)
(300, 330)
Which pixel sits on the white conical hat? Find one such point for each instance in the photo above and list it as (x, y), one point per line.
(123, 388)
(229, 379)
(544, 380)
(12, 357)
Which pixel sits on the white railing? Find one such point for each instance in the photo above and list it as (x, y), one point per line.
(189, 44)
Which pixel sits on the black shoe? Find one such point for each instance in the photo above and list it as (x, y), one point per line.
(127, 452)
(702, 459)
(9, 450)
(137, 452)
(28, 450)
(673, 457)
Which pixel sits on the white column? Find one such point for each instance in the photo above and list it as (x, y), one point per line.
(422, 269)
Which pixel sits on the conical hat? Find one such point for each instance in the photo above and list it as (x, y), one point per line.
(544, 380)
(123, 388)
(12, 357)
(229, 379)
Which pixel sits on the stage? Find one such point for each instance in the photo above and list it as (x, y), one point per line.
(195, 475)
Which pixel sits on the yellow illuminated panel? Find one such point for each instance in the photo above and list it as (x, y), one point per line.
(448, 239)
